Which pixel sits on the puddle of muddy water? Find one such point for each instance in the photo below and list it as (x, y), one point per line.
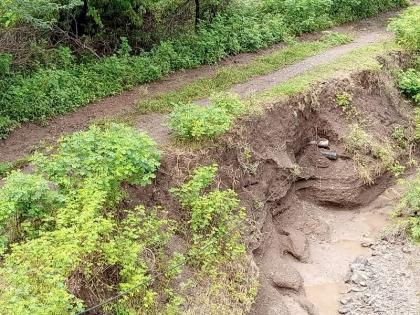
(326, 297)
(329, 260)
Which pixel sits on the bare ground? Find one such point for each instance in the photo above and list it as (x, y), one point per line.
(310, 214)
(29, 136)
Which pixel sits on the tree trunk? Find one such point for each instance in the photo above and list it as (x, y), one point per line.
(197, 14)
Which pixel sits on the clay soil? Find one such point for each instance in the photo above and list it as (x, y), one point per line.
(310, 214)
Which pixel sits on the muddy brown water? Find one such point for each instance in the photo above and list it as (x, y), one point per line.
(329, 260)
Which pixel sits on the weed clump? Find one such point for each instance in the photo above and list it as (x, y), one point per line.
(361, 145)
(409, 209)
(217, 223)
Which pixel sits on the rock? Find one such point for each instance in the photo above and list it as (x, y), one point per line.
(407, 249)
(343, 310)
(367, 242)
(356, 266)
(287, 277)
(323, 143)
(362, 260)
(358, 277)
(355, 289)
(330, 155)
(363, 283)
(345, 301)
(298, 245)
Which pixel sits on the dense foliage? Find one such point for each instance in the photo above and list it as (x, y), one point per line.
(66, 239)
(59, 214)
(410, 84)
(61, 80)
(407, 29)
(216, 220)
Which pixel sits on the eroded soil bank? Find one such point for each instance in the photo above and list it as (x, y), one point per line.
(308, 214)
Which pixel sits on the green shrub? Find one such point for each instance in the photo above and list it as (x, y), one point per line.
(307, 15)
(350, 10)
(231, 103)
(193, 122)
(81, 236)
(407, 28)
(115, 152)
(25, 201)
(410, 84)
(5, 64)
(6, 125)
(216, 220)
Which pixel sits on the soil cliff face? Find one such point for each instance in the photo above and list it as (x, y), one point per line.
(274, 163)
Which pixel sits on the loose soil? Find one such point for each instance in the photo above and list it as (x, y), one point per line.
(310, 214)
(29, 136)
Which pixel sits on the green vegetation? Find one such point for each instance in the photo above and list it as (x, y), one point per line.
(363, 58)
(63, 227)
(344, 101)
(407, 32)
(407, 29)
(56, 79)
(228, 76)
(194, 122)
(215, 220)
(410, 84)
(56, 222)
(409, 209)
(361, 145)
(217, 224)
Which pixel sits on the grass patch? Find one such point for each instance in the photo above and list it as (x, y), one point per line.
(363, 147)
(231, 75)
(363, 58)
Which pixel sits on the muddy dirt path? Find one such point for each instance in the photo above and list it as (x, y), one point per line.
(25, 139)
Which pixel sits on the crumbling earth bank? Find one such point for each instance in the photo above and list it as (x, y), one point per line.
(274, 163)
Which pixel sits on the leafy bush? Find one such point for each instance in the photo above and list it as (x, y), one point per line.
(110, 155)
(5, 64)
(231, 103)
(70, 192)
(216, 220)
(410, 84)
(307, 15)
(25, 200)
(6, 126)
(350, 10)
(407, 28)
(190, 121)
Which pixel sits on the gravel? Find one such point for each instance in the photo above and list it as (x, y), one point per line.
(384, 283)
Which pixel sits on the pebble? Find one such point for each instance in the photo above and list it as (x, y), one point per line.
(346, 300)
(383, 283)
(406, 250)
